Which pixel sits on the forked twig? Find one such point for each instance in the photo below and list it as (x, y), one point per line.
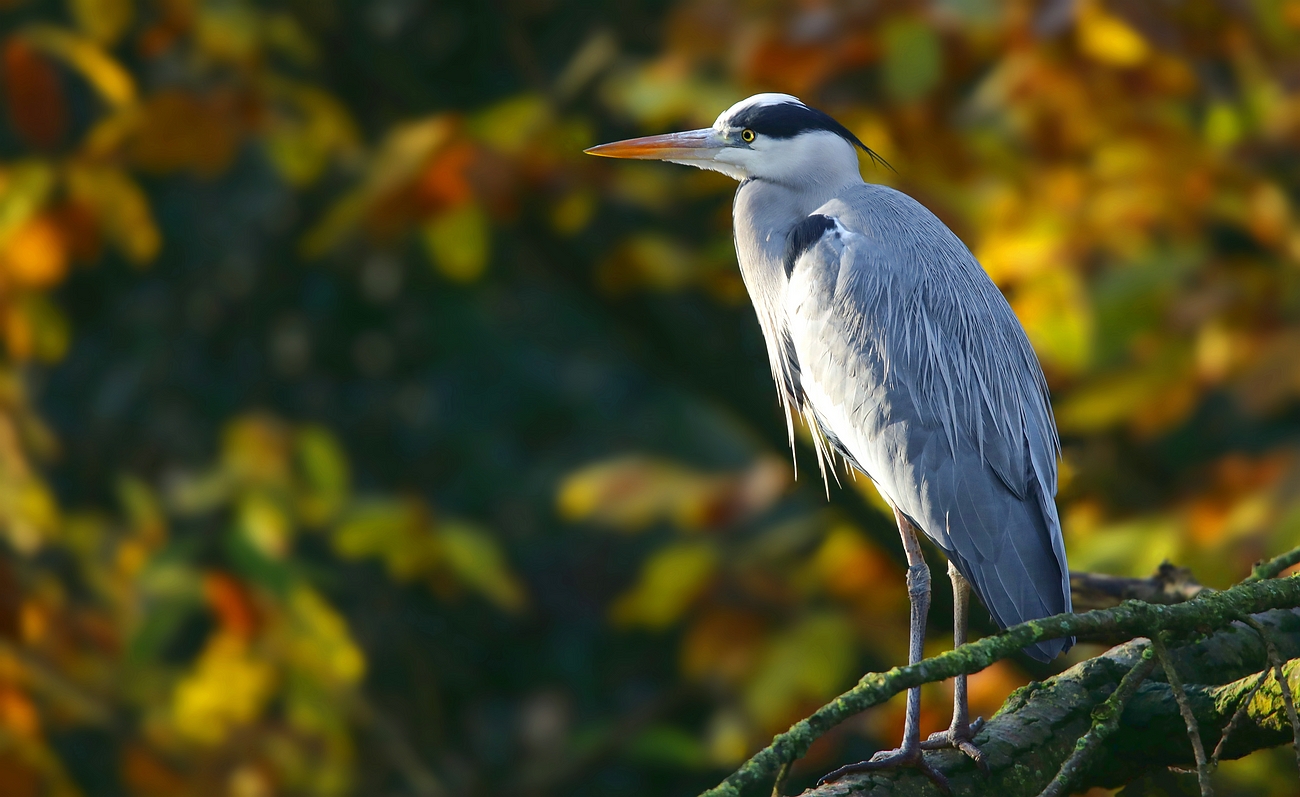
(1270, 568)
(1105, 721)
(1275, 664)
(1237, 716)
(1185, 707)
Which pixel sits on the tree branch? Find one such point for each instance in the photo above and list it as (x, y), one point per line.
(1105, 723)
(1205, 613)
(1039, 727)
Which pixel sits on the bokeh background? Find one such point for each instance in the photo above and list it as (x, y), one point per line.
(361, 436)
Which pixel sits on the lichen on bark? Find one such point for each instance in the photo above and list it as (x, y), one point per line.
(1038, 727)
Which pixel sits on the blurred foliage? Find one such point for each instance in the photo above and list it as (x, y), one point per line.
(330, 363)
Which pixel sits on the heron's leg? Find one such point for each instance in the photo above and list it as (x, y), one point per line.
(918, 592)
(962, 730)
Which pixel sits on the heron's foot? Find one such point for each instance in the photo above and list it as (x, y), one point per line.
(905, 756)
(960, 737)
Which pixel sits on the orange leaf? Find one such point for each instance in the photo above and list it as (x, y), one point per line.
(724, 643)
(182, 132)
(19, 336)
(445, 182)
(34, 96)
(17, 778)
(232, 604)
(17, 713)
(148, 776)
(36, 256)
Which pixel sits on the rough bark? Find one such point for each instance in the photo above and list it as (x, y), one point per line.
(1038, 727)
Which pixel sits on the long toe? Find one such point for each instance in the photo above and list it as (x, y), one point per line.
(960, 738)
(892, 759)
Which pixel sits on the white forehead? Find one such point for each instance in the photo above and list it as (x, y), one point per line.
(724, 119)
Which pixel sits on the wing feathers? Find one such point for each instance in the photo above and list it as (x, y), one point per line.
(914, 367)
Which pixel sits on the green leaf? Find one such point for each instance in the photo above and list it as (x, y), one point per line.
(458, 242)
(103, 20)
(325, 474)
(477, 560)
(667, 745)
(913, 61)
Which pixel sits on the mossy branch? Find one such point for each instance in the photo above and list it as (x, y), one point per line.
(1206, 613)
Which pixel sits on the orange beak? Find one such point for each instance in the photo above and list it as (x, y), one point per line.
(692, 145)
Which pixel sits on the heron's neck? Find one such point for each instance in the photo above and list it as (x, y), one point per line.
(763, 214)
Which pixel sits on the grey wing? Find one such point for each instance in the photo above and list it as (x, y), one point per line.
(919, 372)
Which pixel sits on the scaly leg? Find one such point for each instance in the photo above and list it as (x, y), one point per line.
(918, 592)
(962, 730)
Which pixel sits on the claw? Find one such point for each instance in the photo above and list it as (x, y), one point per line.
(962, 739)
(888, 759)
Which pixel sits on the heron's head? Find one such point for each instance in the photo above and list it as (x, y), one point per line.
(768, 137)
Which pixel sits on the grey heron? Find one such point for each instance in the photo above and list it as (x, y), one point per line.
(905, 360)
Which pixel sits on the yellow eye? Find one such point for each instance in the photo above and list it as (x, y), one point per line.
(747, 136)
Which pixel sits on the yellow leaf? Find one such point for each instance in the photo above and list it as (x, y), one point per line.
(1149, 397)
(403, 152)
(29, 514)
(228, 31)
(24, 187)
(81, 53)
(669, 583)
(396, 531)
(1135, 548)
(312, 128)
(123, 210)
(34, 327)
(477, 561)
(143, 510)
(1109, 39)
(630, 493)
(848, 565)
(571, 214)
(1054, 309)
(1223, 125)
(458, 241)
(227, 689)
(264, 524)
(653, 261)
(808, 663)
(728, 738)
(255, 450)
(340, 220)
(319, 641)
(103, 20)
(283, 33)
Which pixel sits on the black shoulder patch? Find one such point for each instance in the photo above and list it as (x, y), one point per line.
(802, 237)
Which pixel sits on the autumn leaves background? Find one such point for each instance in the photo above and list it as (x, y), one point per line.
(360, 436)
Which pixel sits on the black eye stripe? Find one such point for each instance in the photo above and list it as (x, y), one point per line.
(788, 119)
